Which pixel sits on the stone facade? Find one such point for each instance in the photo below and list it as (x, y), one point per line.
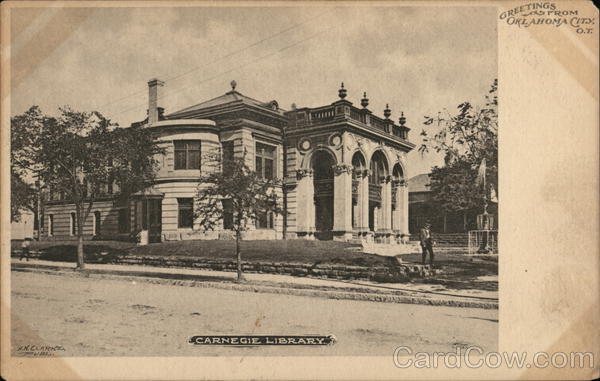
(343, 172)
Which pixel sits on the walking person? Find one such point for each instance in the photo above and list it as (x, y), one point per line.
(426, 242)
(25, 249)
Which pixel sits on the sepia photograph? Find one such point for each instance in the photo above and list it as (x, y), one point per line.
(280, 150)
(258, 179)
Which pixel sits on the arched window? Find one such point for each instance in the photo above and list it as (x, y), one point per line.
(378, 168)
(398, 173)
(323, 165)
(358, 162)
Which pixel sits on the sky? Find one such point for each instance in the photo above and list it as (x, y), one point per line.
(419, 60)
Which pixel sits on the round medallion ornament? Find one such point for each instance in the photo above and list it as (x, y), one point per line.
(335, 140)
(304, 144)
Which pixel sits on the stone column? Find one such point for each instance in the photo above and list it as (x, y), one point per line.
(397, 213)
(342, 202)
(386, 210)
(364, 225)
(380, 220)
(357, 208)
(305, 219)
(404, 209)
(387, 206)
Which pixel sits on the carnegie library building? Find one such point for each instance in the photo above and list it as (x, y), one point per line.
(343, 171)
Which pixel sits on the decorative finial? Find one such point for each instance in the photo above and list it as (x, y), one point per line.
(402, 119)
(365, 101)
(233, 85)
(387, 112)
(342, 92)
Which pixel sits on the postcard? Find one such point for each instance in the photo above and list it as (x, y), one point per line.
(300, 190)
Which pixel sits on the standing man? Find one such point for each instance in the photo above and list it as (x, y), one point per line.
(426, 242)
(25, 249)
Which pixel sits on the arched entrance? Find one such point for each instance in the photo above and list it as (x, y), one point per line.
(378, 172)
(322, 165)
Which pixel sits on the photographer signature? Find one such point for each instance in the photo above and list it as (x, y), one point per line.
(39, 350)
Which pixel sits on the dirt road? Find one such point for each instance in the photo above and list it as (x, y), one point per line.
(78, 316)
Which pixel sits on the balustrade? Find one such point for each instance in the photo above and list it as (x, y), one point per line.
(322, 114)
(328, 113)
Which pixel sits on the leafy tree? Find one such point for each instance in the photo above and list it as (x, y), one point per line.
(134, 152)
(23, 196)
(230, 180)
(24, 130)
(466, 139)
(78, 154)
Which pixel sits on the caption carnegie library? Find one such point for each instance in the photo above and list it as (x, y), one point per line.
(262, 340)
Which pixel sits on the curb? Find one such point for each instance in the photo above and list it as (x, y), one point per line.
(329, 292)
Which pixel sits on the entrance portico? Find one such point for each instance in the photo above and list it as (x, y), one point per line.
(348, 201)
(349, 178)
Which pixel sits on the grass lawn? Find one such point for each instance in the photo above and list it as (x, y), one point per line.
(285, 251)
(458, 270)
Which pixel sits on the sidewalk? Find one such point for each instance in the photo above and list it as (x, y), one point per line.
(430, 294)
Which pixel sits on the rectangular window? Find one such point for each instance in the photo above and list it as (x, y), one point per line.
(187, 154)
(97, 223)
(50, 225)
(227, 214)
(265, 161)
(144, 214)
(228, 150)
(109, 184)
(265, 221)
(185, 212)
(123, 220)
(73, 223)
(259, 166)
(227, 156)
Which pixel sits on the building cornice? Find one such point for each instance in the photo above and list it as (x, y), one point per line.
(220, 112)
(267, 138)
(246, 123)
(350, 125)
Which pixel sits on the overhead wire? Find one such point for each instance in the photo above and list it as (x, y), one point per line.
(228, 55)
(176, 91)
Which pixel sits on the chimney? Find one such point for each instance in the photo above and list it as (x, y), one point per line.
(153, 99)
